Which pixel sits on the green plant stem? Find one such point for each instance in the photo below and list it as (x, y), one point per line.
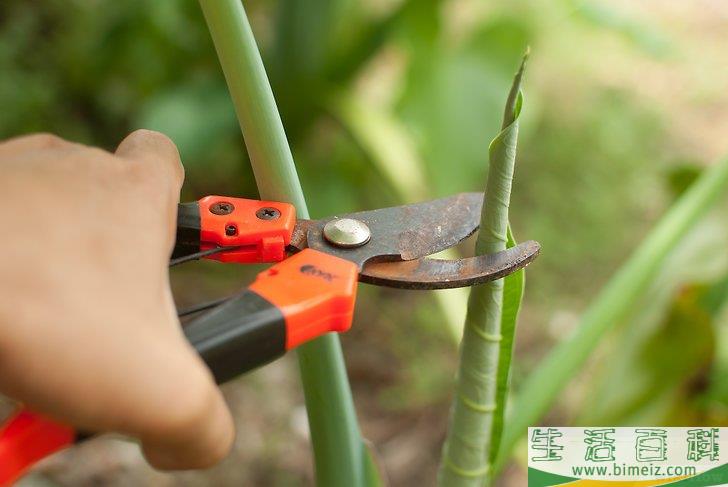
(466, 454)
(614, 302)
(265, 138)
(338, 448)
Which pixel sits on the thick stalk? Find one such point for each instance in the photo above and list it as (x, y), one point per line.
(614, 302)
(338, 449)
(466, 454)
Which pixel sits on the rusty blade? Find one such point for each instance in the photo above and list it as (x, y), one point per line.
(298, 238)
(428, 273)
(402, 232)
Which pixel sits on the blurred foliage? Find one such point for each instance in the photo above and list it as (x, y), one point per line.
(669, 346)
(392, 100)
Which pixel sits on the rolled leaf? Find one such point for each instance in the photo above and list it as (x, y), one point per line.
(474, 424)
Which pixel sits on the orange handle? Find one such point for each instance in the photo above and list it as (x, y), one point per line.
(316, 293)
(27, 438)
(297, 300)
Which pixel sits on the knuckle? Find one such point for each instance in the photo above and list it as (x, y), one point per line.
(95, 154)
(44, 140)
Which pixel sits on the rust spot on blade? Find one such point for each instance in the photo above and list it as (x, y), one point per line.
(298, 238)
(407, 232)
(440, 224)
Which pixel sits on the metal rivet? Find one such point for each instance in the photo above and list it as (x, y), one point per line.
(222, 208)
(268, 213)
(347, 232)
(231, 230)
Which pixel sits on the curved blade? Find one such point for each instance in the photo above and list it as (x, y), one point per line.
(406, 232)
(445, 274)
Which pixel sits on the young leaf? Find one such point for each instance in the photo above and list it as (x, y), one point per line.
(474, 426)
(512, 296)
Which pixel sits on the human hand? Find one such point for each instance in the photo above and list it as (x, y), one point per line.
(88, 329)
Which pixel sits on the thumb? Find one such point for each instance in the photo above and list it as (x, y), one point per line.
(156, 156)
(156, 159)
(186, 423)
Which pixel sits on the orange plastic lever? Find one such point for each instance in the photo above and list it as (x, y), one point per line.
(27, 438)
(262, 229)
(316, 293)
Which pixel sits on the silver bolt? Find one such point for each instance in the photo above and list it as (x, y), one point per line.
(347, 232)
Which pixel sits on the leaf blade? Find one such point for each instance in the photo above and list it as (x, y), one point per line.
(616, 299)
(467, 452)
(513, 289)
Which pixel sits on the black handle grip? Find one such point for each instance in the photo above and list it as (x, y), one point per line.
(242, 334)
(245, 332)
(188, 230)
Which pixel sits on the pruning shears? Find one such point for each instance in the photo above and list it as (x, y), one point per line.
(310, 291)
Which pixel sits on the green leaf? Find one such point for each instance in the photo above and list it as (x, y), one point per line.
(306, 31)
(386, 142)
(614, 302)
(676, 317)
(717, 393)
(373, 469)
(648, 370)
(195, 115)
(512, 297)
(474, 424)
(348, 59)
(644, 35)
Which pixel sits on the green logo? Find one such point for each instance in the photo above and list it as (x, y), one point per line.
(600, 446)
(651, 445)
(543, 440)
(703, 443)
(606, 456)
